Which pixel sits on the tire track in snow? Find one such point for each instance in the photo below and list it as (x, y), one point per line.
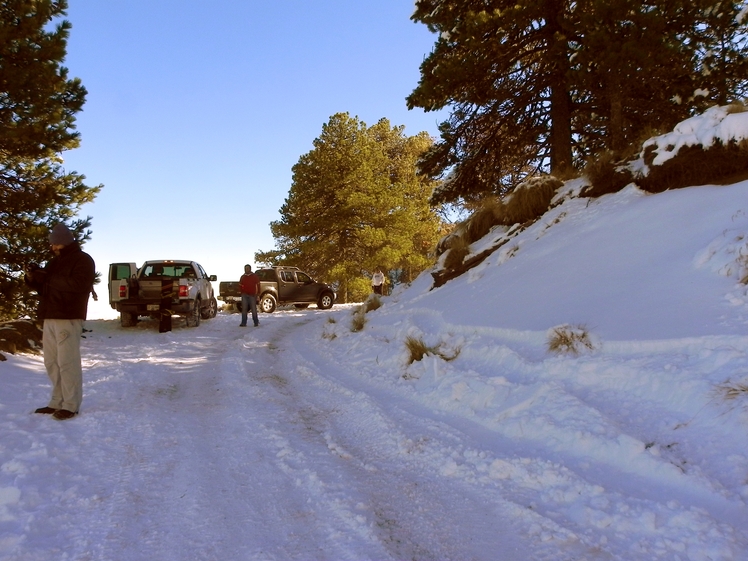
(410, 468)
(202, 468)
(412, 509)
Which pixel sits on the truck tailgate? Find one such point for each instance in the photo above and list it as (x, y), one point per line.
(229, 288)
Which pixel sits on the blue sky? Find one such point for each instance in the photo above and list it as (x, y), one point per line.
(196, 112)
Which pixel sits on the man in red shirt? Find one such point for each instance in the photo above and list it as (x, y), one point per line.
(249, 285)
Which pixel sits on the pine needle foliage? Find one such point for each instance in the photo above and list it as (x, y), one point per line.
(38, 101)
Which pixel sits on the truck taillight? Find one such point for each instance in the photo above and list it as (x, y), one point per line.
(184, 291)
(123, 292)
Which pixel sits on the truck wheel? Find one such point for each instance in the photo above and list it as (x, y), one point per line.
(267, 304)
(211, 311)
(128, 319)
(193, 318)
(325, 301)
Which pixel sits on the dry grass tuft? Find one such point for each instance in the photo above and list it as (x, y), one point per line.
(483, 219)
(417, 349)
(329, 333)
(606, 175)
(459, 249)
(372, 302)
(529, 201)
(732, 391)
(736, 107)
(358, 321)
(569, 340)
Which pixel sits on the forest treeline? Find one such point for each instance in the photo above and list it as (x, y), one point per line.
(530, 89)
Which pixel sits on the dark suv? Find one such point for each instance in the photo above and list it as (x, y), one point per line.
(289, 285)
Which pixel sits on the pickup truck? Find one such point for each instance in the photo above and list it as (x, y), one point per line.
(281, 286)
(135, 292)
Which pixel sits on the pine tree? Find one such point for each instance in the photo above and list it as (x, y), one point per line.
(38, 103)
(536, 86)
(721, 45)
(633, 64)
(502, 67)
(356, 204)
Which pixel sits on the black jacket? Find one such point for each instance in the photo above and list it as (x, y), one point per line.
(65, 284)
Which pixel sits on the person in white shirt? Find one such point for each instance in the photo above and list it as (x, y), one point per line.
(377, 281)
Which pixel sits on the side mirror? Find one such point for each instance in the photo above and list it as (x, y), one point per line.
(213, 278)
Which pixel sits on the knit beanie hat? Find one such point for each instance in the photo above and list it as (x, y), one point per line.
(60, 235)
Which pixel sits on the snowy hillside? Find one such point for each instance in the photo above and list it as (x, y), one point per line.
(305, 439)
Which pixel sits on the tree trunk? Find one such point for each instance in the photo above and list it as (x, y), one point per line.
(560, 112)
(615, 126)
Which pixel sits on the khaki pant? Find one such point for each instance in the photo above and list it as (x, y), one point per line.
(62, 358)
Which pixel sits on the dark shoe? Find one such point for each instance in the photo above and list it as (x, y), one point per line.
(64, 414)
(257, 325)
(46, 410)
(242, 325)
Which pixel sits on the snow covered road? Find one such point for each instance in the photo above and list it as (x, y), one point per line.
(228, 443)
(301, 440)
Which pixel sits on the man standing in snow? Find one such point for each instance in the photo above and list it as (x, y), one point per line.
(63, 286)
(377, 281)
(249, 285)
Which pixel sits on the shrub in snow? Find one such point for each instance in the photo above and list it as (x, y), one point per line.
(606, 175)
(452, 237)
(570, 340)
(372, 302)
(456, 255)
(530, 200)
(696, 165)
(358, 320)
(483, 219)
(707, 148)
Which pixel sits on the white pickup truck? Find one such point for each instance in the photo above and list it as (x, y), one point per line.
(183, 285)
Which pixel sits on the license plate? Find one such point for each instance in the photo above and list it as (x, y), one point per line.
(152, 307)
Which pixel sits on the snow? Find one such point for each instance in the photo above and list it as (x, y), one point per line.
(303, 439)
(717, 124)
